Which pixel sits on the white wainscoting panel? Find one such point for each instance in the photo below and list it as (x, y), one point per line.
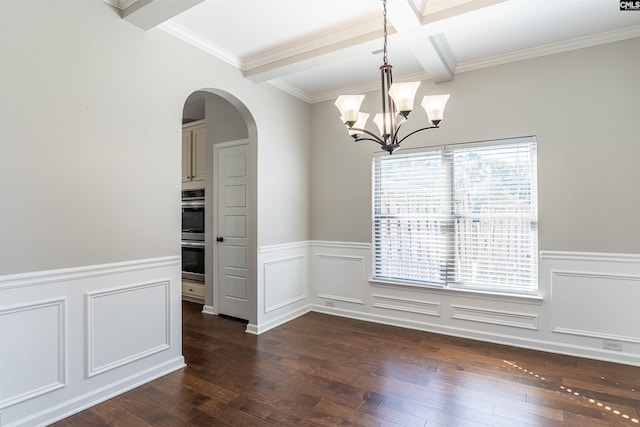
(409, 305)
(596, 305)
(59, 329)
(583, 299)
(285, 281)
(343, 277)
(283, 285)
(32, 350)
(495, 317)
(126, 324)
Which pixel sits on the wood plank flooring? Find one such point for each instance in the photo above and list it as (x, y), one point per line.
(320, 370)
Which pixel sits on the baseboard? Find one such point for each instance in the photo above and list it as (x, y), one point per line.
(531, 344)
(265, 326)
(82, 402)
(208, 309)
(80, 362)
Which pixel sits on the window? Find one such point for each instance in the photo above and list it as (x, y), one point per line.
(458, 216)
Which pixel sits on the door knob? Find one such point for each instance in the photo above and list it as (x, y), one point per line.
(219, 239)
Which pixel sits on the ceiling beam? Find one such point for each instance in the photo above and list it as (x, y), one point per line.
(312, 52)
(432, 52)
(147, 14)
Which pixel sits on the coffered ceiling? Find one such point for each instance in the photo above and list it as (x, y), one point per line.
(317, 49)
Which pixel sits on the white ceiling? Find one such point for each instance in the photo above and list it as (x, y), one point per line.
(317, 49)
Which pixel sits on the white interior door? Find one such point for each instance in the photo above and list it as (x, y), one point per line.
(232, 236)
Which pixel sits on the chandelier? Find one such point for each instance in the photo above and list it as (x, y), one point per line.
(397, 104)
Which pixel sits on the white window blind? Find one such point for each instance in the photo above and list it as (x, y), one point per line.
(462, 215)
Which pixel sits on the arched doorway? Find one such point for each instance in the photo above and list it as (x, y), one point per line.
(226, 121)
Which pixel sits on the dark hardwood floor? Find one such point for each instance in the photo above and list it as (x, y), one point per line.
(322, 370)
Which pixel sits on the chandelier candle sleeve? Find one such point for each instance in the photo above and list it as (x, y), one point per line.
(397, 100)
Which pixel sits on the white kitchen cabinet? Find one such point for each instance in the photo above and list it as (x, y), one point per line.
(193, 151)
(193, 291)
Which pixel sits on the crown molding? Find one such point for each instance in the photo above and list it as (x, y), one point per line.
(551, 48)
(492, 61)
(201, 43)
(356, 32)
(120, 4)
(292, 90)
(305, 45)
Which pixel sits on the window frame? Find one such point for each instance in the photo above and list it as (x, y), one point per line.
(447, 153)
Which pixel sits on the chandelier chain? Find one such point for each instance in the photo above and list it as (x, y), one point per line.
(384, 14)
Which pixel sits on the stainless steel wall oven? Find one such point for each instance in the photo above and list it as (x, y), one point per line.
(193, 246)
(193, 214)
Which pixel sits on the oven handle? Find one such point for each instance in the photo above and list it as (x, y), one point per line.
(192, 244)
(192, 204)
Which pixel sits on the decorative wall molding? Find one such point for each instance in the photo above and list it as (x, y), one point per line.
(592, 334)
(21, 359)
(71, 324)
(208, 309)
(295, 292)
(76, 273)
(598, 293)
(457, 292)
(283, 247)
(408, 305)
(276, 321)
(590, 256)
(282, 260)
(551, 49)
(59, 410)
(556, 320)
(341, 298)
(495, 317)
(283, 285)
(141, 338)
(284, 303)
(120, 4)
(340, 245)
(341, 257)
(201, 43)
(363, 31)
(342, 276)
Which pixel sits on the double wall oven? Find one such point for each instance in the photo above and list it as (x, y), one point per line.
(193, 211)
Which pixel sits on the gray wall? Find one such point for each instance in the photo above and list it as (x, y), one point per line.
(90, 138)
(581, 105)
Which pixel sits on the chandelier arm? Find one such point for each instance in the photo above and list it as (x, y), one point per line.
(397, 131)
(416, 131)
(369, 139)
(376, 138)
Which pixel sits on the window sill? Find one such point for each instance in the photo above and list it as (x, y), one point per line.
(494, 296)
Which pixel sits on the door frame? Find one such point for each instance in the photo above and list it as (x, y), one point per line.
(212, 126)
